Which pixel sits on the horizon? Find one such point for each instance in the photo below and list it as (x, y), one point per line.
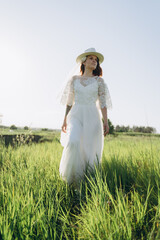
(59, 129)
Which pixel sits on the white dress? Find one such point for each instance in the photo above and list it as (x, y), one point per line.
(83, 142)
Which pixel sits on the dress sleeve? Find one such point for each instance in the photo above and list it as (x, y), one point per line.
(67, 97)
(103, 94)
(70, 99)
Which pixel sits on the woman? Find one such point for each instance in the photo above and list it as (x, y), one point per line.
(82, 127)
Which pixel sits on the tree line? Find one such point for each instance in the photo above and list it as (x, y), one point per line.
(138, 129)
(112, 128)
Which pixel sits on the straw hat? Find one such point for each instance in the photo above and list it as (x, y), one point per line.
(90, 51)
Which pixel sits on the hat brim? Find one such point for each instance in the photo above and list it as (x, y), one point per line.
(97, 54)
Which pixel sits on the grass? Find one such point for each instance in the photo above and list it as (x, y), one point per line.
(119, 200)
(21, 136)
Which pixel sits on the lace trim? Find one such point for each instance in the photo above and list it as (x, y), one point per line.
(85, 81)
(103, 94)
(68, 93)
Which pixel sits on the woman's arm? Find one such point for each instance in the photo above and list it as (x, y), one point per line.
(104, 113)
(68, 108)
(104, 99)
(64, 126)
(105, 118)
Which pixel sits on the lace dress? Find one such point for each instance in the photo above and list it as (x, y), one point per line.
(83, 142)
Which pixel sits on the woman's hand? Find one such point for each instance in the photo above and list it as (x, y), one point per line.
(105, 127)
(64, 126)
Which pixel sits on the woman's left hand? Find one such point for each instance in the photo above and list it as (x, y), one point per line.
(106, 128)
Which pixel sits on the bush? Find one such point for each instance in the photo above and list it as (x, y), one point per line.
(13, 127)
(44, 129)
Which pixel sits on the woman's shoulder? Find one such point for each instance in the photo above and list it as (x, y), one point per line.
(100, 80)
(74, 77)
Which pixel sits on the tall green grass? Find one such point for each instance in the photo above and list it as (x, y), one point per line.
(119, 200)
(125, 193)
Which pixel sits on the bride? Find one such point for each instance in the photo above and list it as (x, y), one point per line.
(82, 135)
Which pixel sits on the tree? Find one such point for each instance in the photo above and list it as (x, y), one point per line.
(111, 127)
(44, 129)
(13, 127)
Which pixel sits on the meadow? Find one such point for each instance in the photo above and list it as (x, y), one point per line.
(119, 200)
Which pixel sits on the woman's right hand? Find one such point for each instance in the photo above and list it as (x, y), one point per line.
(64, 126)
(106, 127)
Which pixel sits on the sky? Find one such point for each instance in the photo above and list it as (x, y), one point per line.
(39, 43)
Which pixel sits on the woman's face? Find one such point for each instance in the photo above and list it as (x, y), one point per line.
(91, 62)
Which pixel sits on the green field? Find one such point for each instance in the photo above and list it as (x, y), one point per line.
(120, 200)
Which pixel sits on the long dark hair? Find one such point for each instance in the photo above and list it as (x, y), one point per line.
(96, 72)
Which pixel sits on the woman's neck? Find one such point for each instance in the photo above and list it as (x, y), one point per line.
(88, 73)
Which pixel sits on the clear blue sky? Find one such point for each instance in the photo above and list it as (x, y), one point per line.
(40, 40)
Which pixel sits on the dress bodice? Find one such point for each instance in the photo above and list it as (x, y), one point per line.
(86, 90)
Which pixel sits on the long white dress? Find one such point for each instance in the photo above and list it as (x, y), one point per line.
(84, 140)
